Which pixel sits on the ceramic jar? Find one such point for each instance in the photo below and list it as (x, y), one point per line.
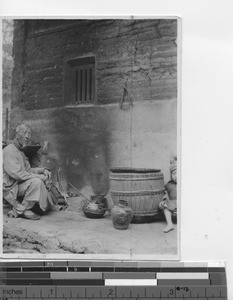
(122, 215)
(93, 211)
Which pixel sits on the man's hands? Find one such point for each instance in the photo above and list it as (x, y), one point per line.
(45, 176)
(47, 173)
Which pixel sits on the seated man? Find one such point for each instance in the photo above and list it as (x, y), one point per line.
(20, 180)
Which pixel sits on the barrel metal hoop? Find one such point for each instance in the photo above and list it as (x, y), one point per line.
(145, 214)
(137, 193)
(129, 178)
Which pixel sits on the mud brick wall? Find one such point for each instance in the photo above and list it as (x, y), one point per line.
(86, 140)
(7, 67)
(141, 52)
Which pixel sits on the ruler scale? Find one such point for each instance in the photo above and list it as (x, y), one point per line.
(112, 280)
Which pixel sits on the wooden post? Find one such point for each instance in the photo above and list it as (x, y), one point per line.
(6, 125)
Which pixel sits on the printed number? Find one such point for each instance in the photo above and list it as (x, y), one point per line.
(184, 288)
(110, 292)
(75, 269)
(171, 292)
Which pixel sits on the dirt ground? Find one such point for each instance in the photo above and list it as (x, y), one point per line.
(70, 232)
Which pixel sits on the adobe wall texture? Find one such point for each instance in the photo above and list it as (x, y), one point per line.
(7, 67)
(85, 141)
(142, 52)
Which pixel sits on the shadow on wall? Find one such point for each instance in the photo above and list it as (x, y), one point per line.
(83, 148)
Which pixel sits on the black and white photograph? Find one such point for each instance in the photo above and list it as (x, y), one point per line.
(91, 137)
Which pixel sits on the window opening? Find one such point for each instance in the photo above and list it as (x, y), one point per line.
(81, 74)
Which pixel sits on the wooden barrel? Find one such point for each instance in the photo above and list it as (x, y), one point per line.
(143, 189)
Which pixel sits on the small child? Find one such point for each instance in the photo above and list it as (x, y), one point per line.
(168, 204)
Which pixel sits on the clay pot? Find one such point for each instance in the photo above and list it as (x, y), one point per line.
(122, 215)
(93, 211)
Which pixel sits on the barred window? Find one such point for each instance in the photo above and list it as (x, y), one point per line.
(80, 81)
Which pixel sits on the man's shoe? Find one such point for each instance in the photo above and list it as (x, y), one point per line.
(28, 214)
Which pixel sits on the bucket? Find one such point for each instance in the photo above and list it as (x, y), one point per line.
(143, 189)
